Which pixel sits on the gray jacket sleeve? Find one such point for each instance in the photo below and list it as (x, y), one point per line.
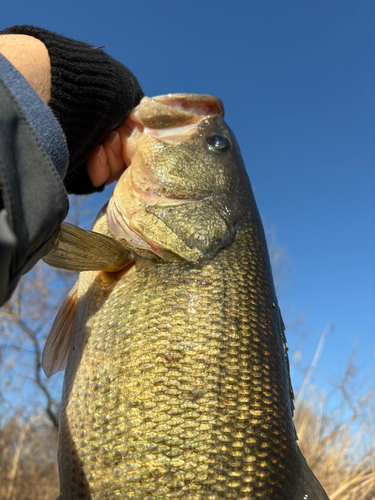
(34, 200)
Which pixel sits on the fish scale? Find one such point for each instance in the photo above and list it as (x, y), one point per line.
(187, 395)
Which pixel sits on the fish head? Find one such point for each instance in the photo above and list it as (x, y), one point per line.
(180, 196)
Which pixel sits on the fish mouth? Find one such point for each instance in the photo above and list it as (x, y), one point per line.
(170, 118)
(173, 118)
(186, 108)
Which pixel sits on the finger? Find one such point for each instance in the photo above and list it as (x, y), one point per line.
(128, 145)
(97, 167)
(113, 150)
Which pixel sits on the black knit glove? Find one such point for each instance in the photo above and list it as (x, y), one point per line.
(91, 95)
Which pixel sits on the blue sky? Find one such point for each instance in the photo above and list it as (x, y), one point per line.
(297, 80)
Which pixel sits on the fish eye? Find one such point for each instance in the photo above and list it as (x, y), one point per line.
(218, 143)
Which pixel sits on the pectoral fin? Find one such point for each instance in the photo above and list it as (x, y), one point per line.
(80, 250)
(55, 352)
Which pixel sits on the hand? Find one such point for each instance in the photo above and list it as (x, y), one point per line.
(109, 160)
(30, 57)
(106, 164)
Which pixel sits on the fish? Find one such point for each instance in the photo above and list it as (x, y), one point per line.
(177, 381)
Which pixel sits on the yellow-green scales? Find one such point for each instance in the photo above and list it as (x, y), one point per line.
(177, 384)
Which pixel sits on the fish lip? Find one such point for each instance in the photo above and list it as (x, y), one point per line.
(185, 101)
(202, 105)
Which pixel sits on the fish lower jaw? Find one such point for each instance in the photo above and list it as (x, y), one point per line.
(173, 135)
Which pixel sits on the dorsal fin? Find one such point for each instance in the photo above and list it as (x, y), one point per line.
(55, 352)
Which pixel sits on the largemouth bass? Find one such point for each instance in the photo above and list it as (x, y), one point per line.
(177, 379)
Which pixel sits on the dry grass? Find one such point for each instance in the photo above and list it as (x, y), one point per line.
(339, 446)
(28, 468)
(336, 433)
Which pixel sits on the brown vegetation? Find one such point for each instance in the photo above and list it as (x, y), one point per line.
(338, 441)
(28, 467)
(339, 448)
